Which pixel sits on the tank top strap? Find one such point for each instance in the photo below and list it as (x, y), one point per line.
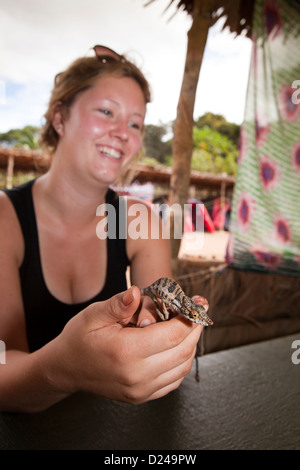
(22, 200)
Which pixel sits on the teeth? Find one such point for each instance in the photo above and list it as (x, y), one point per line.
(110, 152)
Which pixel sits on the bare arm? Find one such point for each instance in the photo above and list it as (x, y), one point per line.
(137, 364)
(24, 386)
(22, 381)
(20, 375)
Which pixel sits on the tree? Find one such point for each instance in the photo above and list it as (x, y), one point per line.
(28, 137)
(154, 144)
(218, 123)
(213, 152)
(204, 14)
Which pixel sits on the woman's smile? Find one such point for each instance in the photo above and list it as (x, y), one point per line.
(111, 152)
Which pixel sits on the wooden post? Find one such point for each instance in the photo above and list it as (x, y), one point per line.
(10, 171)
(183, 127)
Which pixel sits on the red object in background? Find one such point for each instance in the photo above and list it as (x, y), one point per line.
(197, 210)
(208, 223)
(219, 213)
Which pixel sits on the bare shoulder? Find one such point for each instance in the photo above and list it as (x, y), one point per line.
(11, 239)
(147, 246)
(12, 323)
(143, 221)
(142, 212)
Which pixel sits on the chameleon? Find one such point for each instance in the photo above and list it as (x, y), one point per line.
(167, 295)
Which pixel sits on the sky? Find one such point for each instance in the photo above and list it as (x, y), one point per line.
(39, 39)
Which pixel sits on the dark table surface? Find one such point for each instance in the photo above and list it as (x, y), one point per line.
(247, 398)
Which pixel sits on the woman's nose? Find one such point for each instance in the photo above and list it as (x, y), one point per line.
(120, 130)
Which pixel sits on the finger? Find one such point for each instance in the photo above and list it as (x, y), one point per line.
(202, 301)
(118, 309)
(147, 315)
(165, 390)
(170, 379)
(163, 336)
(170, 359)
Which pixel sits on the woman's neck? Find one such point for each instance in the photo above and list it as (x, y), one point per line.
(71, 199)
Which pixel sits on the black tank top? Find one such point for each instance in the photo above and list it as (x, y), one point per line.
(45, 315)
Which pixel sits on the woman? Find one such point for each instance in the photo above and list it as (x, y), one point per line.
(64, 301)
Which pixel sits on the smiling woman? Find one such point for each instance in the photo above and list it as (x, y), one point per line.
(65, 306)
(104, 124)
(83, 74)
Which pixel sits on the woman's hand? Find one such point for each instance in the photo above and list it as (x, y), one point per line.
(97, 353)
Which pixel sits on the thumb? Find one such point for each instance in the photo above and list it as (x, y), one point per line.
(117, 309)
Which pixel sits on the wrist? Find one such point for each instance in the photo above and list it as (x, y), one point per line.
(53, 366)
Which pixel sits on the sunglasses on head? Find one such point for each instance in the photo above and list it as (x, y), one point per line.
(105, 54)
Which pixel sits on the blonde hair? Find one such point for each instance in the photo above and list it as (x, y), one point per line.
(78, 77)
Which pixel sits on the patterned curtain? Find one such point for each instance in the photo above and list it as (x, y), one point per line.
(265, 219)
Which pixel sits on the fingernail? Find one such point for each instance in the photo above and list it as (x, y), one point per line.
(145, 322)
(128, 297)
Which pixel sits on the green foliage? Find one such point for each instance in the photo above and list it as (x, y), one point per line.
(213, 152)
(216, 144)
(27, 138)
(218, 123)
(154, 143)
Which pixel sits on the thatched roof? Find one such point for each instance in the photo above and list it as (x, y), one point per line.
(161, 174)
(238, 13)
(24, 160)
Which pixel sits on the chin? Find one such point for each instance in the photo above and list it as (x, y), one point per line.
(106, 177)
(111, 174)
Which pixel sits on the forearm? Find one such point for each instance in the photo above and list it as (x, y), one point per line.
(24, 383)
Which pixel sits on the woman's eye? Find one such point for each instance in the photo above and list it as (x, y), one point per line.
(106, 112)
(134, 125)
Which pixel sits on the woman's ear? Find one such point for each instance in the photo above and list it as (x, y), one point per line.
(57, 118)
